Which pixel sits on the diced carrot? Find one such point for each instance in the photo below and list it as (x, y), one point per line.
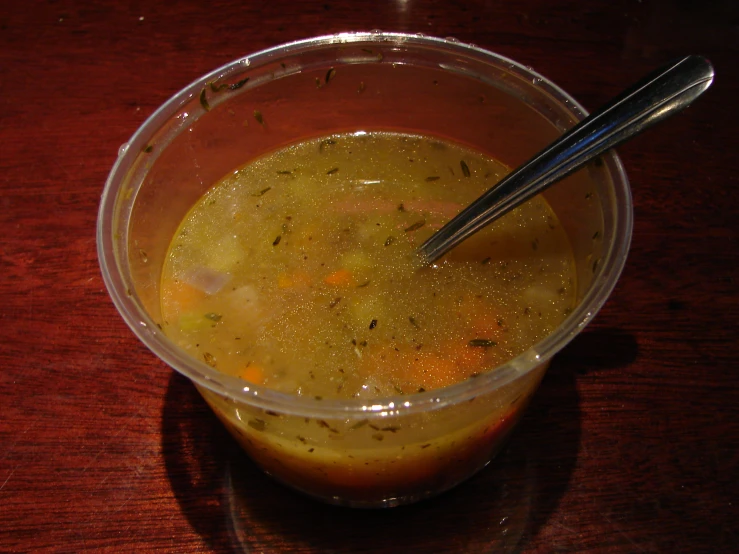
(341, 278)
(181, 297)
(411, 369)
(468, 359)
(433, 371)
(253, 374)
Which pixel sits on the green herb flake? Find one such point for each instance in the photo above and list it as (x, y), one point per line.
(262, 192)
(277, 240)
(484, 343)
(401, 208)
(416, 226)
(204, 101)
(389, 240)
(285, 172)
(209, 359)
(238, 84)
(330, 74)
(213, 316)
(378, 436)
(147, 149)
(323, 424)
(413, 322)
(486, 260)
(465, 168)
(324, 143)
(366, 283)
(334, 302)
(373, 324)
(217, 88)
(332, 171)
(432, 178)
(257, 424)
(258, 116)
(596, 235)
(359, 424)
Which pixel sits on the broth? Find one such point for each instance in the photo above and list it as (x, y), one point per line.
(298, 271)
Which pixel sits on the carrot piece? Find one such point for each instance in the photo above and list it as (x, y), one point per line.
(466, 358)
(411, 369)
(342, 277)
(433, 371)
(181, 296)
(253, 374)
(284, 281)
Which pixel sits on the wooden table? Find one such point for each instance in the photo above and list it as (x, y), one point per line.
(631, 444)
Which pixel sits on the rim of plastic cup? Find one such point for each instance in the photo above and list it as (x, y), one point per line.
(117, 278)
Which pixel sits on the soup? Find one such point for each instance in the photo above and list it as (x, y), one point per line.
(298, 272)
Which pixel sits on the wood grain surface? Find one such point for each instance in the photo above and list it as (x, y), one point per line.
(632, 442)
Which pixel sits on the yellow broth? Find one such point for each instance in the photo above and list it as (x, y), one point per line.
(298, 270)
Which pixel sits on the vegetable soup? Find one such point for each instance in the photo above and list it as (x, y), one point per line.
(298, 271)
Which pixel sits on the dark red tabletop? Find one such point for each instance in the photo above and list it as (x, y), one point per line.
(630, 445)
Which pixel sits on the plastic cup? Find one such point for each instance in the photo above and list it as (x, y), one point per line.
(389, 451)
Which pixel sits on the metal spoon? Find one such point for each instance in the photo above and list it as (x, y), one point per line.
(656, 97)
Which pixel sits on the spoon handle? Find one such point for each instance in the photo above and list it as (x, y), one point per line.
(656, 97)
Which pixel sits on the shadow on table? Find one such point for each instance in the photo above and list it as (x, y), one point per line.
(236, 508)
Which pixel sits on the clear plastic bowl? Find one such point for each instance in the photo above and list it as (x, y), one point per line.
(349, 82)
